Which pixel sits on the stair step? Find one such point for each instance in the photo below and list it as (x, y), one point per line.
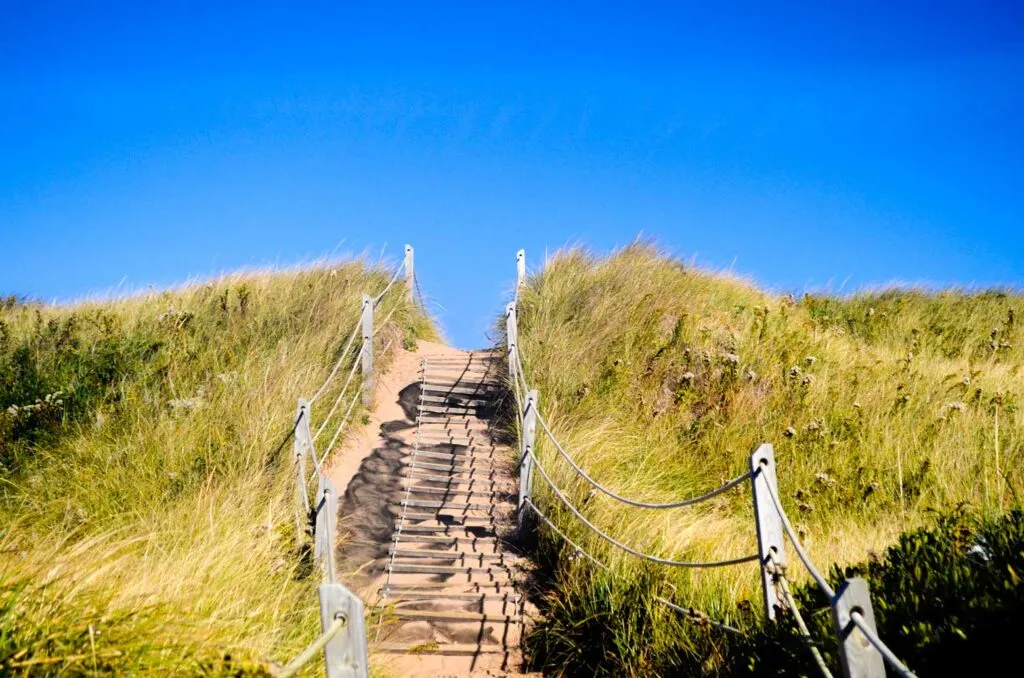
(458, 410)
(454, 468)
(447, 491)
(482, 390)
(462, 400)
(455, 480)
(444, 555)
(452, 540)
(409, 568)
(442, 505)
(477, 461)
(444, 529)
(402, 594)
(479, 617)
(476, 520)
(444, 649)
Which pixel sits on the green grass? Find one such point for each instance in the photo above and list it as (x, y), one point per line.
(146, 514)
(662, 379)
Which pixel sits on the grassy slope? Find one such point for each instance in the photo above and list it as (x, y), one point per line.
(147, 520)
(662, 379)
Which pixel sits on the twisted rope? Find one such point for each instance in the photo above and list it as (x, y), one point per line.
(633, 502)
(628, 549)
(688, 612)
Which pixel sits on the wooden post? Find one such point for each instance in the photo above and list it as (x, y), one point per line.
(346, 654)
(300, 445)
(859, 657)
(367, 352)
(410, 280)
(529, 434)
(511, 340)
(326, 524)
(520, 268)
(770, 545)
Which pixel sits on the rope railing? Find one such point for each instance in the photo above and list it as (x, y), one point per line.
(805, 633)
(861, 651)
(343, 632)
(633, 502)
(690, 613)
(628, 549)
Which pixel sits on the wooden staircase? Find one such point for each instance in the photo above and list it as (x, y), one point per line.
(450, 587)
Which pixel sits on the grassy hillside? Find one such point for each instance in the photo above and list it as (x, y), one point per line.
(146, 516)
(661, 379)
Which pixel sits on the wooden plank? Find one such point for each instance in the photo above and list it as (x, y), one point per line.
(858, 656)
(769, 525)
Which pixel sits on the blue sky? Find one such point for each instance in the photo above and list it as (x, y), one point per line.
(806, 146)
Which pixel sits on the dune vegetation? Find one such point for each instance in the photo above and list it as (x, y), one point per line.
(146, 514)
(660, 379)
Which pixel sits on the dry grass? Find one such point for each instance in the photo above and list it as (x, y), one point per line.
(662, 379)
(148, 526)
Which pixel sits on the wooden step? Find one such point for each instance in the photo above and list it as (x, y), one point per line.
(409, 568)
(477, 520)
(454, 468)
(472, 460)
(444, 648)
(463, 390)
(446, 528)
(477, 617)
(444, 555)
(451, 481)
(446, 505)
(403, 594)
(466, 541)
(449, 492)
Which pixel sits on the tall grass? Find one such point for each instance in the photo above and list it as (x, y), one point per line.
(146, 517)
(661, 379)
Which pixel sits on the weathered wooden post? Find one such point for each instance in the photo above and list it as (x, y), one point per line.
(529, 435)
(346, 653)
(326, 524)
(859, 657)
(300, 445)
(511, 340)
(410, 280)
(520, 269)
(770, 545)
(367, 351)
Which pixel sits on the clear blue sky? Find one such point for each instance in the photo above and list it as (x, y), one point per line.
(805, 145)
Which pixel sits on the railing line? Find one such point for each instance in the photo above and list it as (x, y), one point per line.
(628, 549)
(633, 502)
(691, 613)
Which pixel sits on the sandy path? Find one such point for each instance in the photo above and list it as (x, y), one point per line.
(371, 466)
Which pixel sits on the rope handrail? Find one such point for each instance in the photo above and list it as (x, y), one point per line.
(633, 502)
(805, 633)
(292, 667)
(883, 649)
(398, 271)
(693, 614)
(337, 401)
(628, 549)
(798, 547)
(344, 420)
(337, 365)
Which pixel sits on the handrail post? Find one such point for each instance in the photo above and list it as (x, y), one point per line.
(770, 545)
(526, 459)
(410, 280)
(326, 524)
(520, 268)
(858, 656)
(367, 351)
(300, 445)
(511, 340)
(346, 654)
